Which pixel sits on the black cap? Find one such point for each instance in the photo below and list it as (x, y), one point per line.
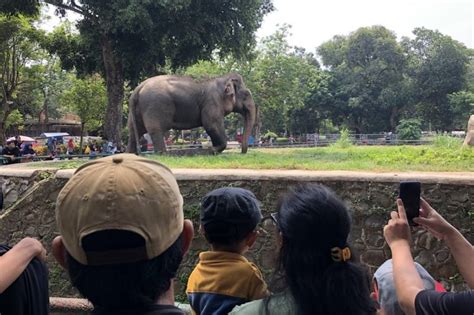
(234, 206)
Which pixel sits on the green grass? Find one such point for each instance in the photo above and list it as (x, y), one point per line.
(361, 158)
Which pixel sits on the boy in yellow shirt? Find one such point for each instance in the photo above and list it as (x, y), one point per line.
(223, 277)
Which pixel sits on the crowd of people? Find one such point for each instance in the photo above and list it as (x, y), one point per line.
(15, 150)
(123, 235)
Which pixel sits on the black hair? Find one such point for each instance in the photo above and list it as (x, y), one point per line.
(312, 220)
(222, 234)
(118, 286)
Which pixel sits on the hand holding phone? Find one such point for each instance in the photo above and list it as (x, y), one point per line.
(410, 195)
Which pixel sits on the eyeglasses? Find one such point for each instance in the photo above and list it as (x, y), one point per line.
(269, 223)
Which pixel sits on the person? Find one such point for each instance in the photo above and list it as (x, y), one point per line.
(143, 144)
(123, 235)
(18, 142)
(23, 279)
(28, 150)
(70, 146)
(223, 277)
(52, 146)
(317, 270)
(384, 288)
(412, 296)
(11, 152)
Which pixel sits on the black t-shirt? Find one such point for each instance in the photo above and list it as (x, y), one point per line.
(148, 310)
(444, 303)
(15, 152)
(27, 295)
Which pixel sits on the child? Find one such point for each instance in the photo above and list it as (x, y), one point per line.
(223, 277)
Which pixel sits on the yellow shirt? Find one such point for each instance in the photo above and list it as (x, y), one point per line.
(222, 280)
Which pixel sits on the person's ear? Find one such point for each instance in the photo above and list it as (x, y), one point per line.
(251, 238)
(59, 251)
(188, 234)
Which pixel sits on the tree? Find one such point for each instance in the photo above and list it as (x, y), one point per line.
(367, 70)
(282, 79)
(409, 129)
(462, 106)
(19, 50)
(438, 66)
(87, 98)
(129, 40)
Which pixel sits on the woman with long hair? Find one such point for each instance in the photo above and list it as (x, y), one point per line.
(317, 267)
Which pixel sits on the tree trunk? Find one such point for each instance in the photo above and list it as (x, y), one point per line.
(114, 80)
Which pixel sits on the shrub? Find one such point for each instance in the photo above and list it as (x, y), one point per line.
(344, 140)
(270, 134)
(409, 129)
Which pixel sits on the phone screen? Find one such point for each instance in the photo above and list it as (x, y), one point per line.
(410, 195)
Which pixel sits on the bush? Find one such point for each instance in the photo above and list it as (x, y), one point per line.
(409, 129)
(344, 140)
(270, 134)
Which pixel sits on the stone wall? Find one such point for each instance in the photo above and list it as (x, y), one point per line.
(371, 196)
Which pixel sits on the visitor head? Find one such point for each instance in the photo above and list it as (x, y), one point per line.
(229, 219)
(385, 292)
(122, 232)
(11, 144)
(318, 265)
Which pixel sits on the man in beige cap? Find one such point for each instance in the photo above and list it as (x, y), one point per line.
(123, 234)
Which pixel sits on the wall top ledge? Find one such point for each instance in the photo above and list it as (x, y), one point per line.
(452, 178)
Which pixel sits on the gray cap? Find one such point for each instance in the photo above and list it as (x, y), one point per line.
(387, 294)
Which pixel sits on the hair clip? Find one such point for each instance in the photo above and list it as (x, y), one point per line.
(338, 254)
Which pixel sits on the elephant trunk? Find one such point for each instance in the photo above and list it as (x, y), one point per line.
(249, 121)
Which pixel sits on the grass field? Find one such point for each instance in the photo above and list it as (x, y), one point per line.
(362, 158)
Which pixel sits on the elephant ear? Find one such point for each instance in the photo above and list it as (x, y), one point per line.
(229, 91)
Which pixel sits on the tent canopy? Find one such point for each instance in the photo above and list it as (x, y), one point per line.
(53, 134)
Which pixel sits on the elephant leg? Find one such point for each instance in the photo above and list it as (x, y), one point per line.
(159, 145)
(218, 137)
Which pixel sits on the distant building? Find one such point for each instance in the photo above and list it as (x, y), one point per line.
(69, 123)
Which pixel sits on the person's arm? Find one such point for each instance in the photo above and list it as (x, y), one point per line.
(461, 249)
(15, 261)
(407, 280)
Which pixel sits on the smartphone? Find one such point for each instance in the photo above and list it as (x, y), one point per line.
(410, 195)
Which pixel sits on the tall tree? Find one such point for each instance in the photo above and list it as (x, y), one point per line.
(87, 98)
(438, 66)
(367, 68)
(132, 39)
(19, 49)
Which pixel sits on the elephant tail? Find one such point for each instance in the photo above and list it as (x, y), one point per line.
(132, 125)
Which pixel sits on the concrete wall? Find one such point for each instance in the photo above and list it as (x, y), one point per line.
(371, 196)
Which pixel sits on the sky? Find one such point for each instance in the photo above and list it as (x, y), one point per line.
(314, 22)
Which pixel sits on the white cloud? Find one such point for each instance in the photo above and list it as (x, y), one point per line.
(315, 22)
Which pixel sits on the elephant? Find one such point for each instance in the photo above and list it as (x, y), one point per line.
(167, 102)
(469, 140)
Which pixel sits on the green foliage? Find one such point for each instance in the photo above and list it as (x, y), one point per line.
(87, 98)
(270, 134)
(14, 119)
(344, 140)
(462, 106)
(19, 7)
(409, 129)
(367, 83)
(438, 66)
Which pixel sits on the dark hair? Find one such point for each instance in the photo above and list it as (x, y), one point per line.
(117, 286)
(224, 234)
(312, 220)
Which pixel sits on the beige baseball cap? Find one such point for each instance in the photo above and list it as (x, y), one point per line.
(120, 192)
